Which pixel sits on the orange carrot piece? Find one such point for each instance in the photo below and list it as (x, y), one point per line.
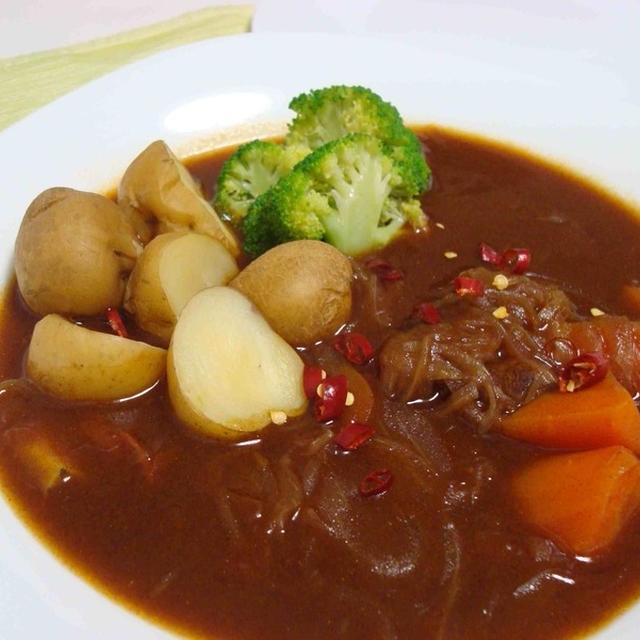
(580, 500)
(618, 339)
(360, 410)
(599, 416)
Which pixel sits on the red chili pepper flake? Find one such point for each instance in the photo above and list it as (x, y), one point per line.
(468, 286)
(516, 260)
(583, 371)
(354, 347)
(384, 270)
(331, 398)
(489, 254)
(428, 313)
(351, 436)
(376, 482)
(115, 322)
(312, 376)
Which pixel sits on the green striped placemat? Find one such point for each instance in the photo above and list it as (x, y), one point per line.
(31, 81)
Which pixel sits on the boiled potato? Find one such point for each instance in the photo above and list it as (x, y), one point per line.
(73, 253)
(302, 288)
(159, 195)
(228, 372)
(172, 268)
(75, 363)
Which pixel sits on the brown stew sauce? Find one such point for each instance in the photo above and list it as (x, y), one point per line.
(187, 531)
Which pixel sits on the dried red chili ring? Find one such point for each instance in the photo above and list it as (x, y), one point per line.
(376, 482)
(516, 260)
(115, 322)
(331, 398)
(428, 313)
(489, 254)
(312, 376)
(384, 270)
(583, 371)
(468, 286)
(354, 347)
(352, 435)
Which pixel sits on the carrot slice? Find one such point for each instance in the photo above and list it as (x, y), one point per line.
(580, 500)
(599, 416)
(618, 339)
(360, 410)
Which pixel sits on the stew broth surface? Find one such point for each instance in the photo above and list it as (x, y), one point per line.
(201, 536)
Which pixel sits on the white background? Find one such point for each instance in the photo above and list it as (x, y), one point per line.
(609, 28)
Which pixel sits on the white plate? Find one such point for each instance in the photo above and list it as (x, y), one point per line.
(581, 110)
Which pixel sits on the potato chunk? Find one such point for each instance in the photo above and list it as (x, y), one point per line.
(159, 195)
(227, 370)
(75, 363)
(172, 268)
(303, 289)
(74, 251)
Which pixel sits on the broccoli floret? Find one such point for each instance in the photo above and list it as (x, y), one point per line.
(416, 174)
(248, 173)
(284, 213)
(331, 113)
(324, 115)
(349, 192)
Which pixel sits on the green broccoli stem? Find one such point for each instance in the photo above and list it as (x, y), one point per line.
(359, 196)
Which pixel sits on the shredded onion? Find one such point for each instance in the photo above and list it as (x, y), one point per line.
(473, 364)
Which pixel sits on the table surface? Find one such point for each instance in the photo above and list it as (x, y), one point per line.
(599, 27)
